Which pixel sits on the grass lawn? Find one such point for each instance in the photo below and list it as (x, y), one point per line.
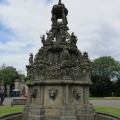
(7, 110)
(110, 110)
(104, 98)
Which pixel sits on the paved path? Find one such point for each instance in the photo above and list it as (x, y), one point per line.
(109, 103)
(7, 101)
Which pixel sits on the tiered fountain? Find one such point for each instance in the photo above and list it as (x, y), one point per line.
(59, 76)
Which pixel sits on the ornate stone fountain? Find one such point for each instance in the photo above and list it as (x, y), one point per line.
(59, 77)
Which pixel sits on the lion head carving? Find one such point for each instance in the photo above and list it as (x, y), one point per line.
(34, 93)
(77, 93)
(53, 93)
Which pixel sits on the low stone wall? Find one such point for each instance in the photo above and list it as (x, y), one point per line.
(18, 116)
(12, 116)
(105, 116)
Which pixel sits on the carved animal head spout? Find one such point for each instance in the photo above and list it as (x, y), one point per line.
(34, 93)
(77, 93)
(53, 93)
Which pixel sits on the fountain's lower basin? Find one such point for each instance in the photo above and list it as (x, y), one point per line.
(18, 116)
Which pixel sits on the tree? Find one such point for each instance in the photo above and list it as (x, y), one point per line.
(103, 70)
(3, 66)
(116, 85)
(22, 76)
(8, 74)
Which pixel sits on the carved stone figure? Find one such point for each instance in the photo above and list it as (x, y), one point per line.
(53, 93)
(73, 39)
(63, 35)
(49, 40)
(66, 54)
(28, 72)
(56, 57)
(43, 39)
(59, 1)
(53, 19)
(64, 18)
(85, 75)
(49, 35)
(31, 59)
(34, 93)
(23, 90)
(77, 93)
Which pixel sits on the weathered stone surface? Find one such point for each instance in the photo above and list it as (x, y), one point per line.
(25, 112)
(35, 117)
(52, 118)
(67, 113)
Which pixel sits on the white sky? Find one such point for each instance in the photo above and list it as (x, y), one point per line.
(96, 23)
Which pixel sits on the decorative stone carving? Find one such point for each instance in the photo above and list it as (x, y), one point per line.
(43, 39)
(64, 18)
(49, 35)
(59, 53)
(28, 72)
(53, 93)
(48, 73)
(23, 90)
(56, 57)
(66, 64)
(53, 19)
(85, 74)
(73, 39)
(59, 1)
(31, 59)
(64, 35)
(77, 93)
(53, 72)
(34, 92)
(76, 73)
(86, 68)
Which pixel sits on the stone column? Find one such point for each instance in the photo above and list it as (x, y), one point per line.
(26, 89)
(29, 97)
(86, 94)
(8, 90)
(2, 85)
(17, 84)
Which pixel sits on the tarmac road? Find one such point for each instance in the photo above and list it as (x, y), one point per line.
(109, 103)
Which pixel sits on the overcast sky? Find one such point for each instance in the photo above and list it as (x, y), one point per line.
(96, 23)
